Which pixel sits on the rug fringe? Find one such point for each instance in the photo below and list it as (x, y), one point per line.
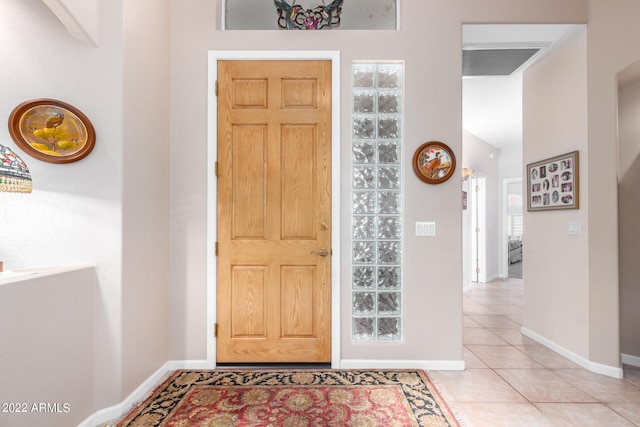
(460, 415)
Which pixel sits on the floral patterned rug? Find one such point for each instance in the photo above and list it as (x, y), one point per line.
(293, 398)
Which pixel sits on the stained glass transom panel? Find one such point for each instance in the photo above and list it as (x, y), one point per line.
(376, 222)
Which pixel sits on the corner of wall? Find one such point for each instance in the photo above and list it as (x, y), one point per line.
(79, 17)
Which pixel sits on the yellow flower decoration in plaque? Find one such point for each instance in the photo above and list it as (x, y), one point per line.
(52, 131)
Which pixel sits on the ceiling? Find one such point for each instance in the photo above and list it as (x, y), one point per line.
(492, 98)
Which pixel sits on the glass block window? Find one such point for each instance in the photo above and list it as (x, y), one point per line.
(376, 223)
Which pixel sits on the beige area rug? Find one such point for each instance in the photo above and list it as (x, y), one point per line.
(293, 398)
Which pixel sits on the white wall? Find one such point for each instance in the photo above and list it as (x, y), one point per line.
(110, 209)
(74, 214)
(192, 24)
(145, 228)
(484, 159)
(555, 122)
(80, 18)
(612, 29)
(524, 12)
(46, 347)
(511, 162)
(629, 205)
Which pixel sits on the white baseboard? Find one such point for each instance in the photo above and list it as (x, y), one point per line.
(598, 368)
(469, 286)
(427, 365)
(628, 359)
(114, 412)
(492, 277)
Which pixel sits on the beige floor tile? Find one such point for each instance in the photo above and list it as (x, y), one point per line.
(503, 357)
(481, 336)
(632, 375)
(495, 300)
(505, 415)
(476, 385)
(466, 299)
(604, 389)
(542, 385)
(512, 380)
(467, 322)
(583, 415)
(495, 292)
(631, 411)
(517, 318)
(512, 336)
(477, 308)
(494, 321)
(546, 357)
(503, 309)
(471, 361)
(519, 301)
(461, 415)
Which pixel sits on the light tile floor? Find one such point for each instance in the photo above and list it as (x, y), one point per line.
(513, 381)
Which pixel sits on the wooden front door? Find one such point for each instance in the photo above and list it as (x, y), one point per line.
(274, 211)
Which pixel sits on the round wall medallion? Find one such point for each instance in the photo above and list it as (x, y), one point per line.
(434, 162)
(52, 131)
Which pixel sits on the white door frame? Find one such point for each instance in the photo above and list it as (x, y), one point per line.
(212, 194)
(478, 219)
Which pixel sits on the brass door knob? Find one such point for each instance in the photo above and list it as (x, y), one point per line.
(321, 252)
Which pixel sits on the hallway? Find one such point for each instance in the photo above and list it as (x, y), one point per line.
(513, 381)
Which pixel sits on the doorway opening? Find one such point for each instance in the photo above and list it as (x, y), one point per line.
(495, 58)
(514, 228)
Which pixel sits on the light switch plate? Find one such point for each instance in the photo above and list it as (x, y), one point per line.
(425, 228)
(575, 228)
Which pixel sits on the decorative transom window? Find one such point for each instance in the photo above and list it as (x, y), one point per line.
(376, 230)
(325, 15)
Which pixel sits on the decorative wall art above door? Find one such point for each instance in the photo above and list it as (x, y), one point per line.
(296, 17)
(337, 15)
(434, 162)
(52, 131)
